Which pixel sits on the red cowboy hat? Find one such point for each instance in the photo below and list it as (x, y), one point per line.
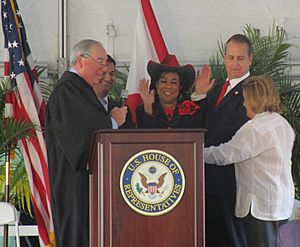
(170, 63)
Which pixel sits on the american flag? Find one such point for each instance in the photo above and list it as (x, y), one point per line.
(26, 103)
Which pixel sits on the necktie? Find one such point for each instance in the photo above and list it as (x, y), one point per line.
(222, 93)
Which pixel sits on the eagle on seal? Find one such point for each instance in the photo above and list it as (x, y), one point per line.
(152, 187)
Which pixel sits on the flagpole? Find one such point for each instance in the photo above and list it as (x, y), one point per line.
(62, 37)
(7, 180)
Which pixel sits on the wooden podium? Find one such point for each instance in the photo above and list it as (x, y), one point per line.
(113, 221)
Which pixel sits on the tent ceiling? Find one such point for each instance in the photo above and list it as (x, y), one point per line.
(190, 28)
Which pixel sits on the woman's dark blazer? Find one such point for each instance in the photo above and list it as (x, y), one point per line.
(159, 119)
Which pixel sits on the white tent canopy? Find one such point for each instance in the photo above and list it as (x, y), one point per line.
(190, 28)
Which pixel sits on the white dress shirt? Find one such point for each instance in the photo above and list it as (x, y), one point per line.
(235, 81)
(262, 151)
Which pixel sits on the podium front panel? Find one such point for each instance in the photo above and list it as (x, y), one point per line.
(114, 223)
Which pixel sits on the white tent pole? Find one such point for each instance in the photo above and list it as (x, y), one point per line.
(111, 34)
(62, 36)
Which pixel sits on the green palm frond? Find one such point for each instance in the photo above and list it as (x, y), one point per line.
(286, 85)
(296, 167)
(39, 70)
(20, 192)
(19, 186)
(3, 91)
(46, 88)
(216, 63)
(46, 85)
(290, 105)
(115, 91)
(270, 53)
(12, 130)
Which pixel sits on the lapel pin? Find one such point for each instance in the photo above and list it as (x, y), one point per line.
(236, 92)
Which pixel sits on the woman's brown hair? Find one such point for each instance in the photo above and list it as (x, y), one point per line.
(262, 94)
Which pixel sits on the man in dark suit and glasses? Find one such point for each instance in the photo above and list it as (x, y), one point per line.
(112, 107)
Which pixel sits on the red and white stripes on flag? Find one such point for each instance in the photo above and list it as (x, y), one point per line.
(25, 102)
(148, 45)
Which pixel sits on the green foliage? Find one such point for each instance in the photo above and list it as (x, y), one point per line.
(270, 58)
(20, 193)
(270, 53)
(139, 189)
(216, 63)
(12, 130)
(115, 91)
(46, 85)
(3, 90)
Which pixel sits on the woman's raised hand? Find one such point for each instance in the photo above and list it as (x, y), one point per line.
(146, 95)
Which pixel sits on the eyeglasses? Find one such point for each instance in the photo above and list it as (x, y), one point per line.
(100, 61)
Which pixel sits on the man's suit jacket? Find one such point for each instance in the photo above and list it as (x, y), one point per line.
(222, 122)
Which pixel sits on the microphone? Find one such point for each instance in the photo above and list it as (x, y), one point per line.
(124, 95)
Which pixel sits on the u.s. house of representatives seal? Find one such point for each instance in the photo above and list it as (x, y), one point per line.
(152, 182)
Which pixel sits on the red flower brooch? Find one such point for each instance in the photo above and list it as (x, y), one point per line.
(187, 107)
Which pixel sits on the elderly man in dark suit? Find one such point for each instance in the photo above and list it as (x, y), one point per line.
(73, 114)
(225, 114)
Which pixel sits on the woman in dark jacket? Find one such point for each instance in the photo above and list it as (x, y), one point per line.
(165, 103)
